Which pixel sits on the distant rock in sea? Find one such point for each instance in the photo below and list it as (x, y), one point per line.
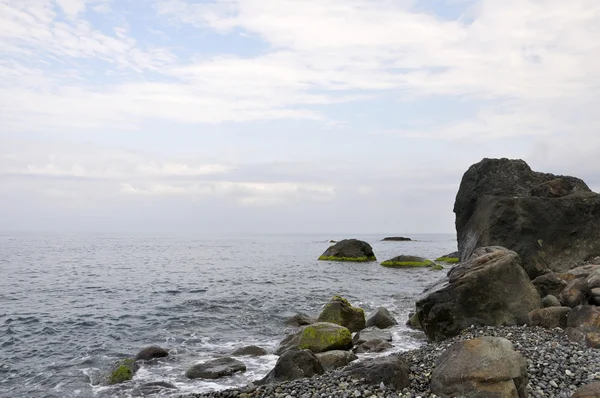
(353, 250)
(396, 239)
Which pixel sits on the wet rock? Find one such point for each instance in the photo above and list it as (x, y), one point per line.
(215, 369)
(292, 365)
(381, 318)
(371, 333)
(392, 371)
(375, 345)
(341, 312)
(335, 359)
(318, 337)
(151, 352)
(250, 350)
(122, 371)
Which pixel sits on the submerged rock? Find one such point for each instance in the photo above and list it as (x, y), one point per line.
(215, 369)
(250, 350)
(381, 318)
(318, 337)
(341, 312)
(353, 250)
(407, 262)
(122, 371)
(335, 359)
(300, 320)
(551, 221)
(482, 367)
(490, 290)
(151, 352)
(293, 365)
(396, 239)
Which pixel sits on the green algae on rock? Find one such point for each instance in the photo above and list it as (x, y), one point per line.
(122, 371)
(448, 259)
(318, 337)
(341, 312)
(437, 267)
(351, 250)
(407, 262)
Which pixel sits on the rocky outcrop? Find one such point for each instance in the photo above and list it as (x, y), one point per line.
(375, 345)
(476, 293)
(381, 318)
(407, 262)
(392, 371)
(300, 320)
(251, 350)
(371, 333)
(482, 367)
(349, 250)
(552, 222)
(591, 390)
(335, 359)
(318, 337)
(341, 312)
(152, 352)
(293, 365)
(215, 369)
(396, 239)
(552, 317)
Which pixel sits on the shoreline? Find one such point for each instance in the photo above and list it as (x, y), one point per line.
(556, 367)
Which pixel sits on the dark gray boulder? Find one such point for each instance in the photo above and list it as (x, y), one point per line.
(552, 222)
(371, 333)
(550, 301)
(300, 319)
(482, 367)
(353, 250)
(490, 290)
(151, 352)
(575, 293)
(375, 345)
(215, 369)
(552, 317)
(251, 350)
(293, 365)
(549, 283)
(335, 359)
(381, 318)
(396, 239)
(584, 316)
(391, 370)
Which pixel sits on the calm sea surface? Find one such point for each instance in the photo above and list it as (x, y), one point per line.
(70, 306)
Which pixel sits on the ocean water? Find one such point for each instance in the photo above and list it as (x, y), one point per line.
(70, 306)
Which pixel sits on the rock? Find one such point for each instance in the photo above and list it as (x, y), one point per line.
(250, 350)
(591, 390)
(340, 312)
(381, 318)
(575, 334)
(490, 290)
(375, 345)
(592, 339)
(551, 221)
(396, 239)
(407, 262)
(414, 322)
(349, 250)
(155, 388)
(437, 267)
(453, 257)
(593, 280)
(371, 333)
(122, 371)
(392, 371)
(585, 271)
(549, 283)
(151, 352)
(335, 359)
(587, 316)
(300, 320)
(318, 337)
(551, 317)
(595, 296)
(293, 365)
(481, 367)
(575, 293)
(215, 369)
(550, 301)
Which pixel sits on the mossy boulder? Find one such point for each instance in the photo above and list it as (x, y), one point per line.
(408, 262)
(122, 371)
(352, 250)
(341, 312)
(318, 337)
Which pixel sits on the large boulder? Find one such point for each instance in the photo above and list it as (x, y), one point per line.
(407, 262)
(591, 390)
(349, 250)
(392, 371)
(215, 368)
(293, 365)
(300, 319)
(482, 367)
(122, 371)
(371, 333)
(549, 283)
(552, 222)
(335, 359)
(575, 293)
(490, 290)
(341, 312)
(584, 316)
(318, 337)
(551, 317)
(381, 318)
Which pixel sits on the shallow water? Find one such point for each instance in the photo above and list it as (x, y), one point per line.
(72, 305)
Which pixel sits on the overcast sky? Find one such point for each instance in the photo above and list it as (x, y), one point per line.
(284, 115)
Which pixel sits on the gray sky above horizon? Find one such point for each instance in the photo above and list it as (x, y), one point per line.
(284, 115)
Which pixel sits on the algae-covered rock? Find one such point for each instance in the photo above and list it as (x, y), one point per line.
(318, 337)
(437, 267)
(122, 371)
(452, 258)
(341, 312)
(353, 250)
(407, 262)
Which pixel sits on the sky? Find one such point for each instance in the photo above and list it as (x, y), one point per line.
(283, 116)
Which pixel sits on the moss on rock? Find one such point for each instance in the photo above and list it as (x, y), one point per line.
(341, 312)
(324, 336)
(122, 371)
(350, 259)
(445, 259)
(437, 267)
(408, 264)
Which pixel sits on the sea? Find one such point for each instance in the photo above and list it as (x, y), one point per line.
(72, 305)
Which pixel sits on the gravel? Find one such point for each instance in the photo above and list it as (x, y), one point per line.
(556, 368)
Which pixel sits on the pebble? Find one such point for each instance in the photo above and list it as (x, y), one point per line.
(552, 372)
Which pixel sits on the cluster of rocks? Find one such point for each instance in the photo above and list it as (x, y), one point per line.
(354, 250)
